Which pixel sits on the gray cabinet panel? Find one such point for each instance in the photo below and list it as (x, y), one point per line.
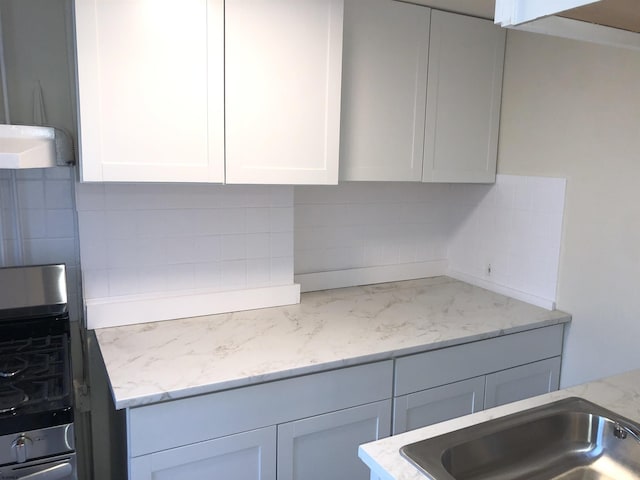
(438, 404)
(522, 382)
(244, 456)
(217, 414)
(384, 78)
(326, 446)
(448, 365)
(464, 86)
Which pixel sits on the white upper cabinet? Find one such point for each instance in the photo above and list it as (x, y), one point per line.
(383, 90)
(464, 88)
(150, 81)
(283, 73)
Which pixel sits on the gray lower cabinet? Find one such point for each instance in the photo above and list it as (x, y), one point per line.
(442, 384)
(325, 446)
(244, 456)
(310, 427)
(437, 404)
(522, 382)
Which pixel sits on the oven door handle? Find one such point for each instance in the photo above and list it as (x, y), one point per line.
(59, 472)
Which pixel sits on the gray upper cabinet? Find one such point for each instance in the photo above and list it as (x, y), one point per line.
(421, 93)
(384, 75)
(464, 90)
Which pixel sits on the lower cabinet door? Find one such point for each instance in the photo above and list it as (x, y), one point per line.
(244, 456)
(522, 382)
(326, 446)
(438, 404)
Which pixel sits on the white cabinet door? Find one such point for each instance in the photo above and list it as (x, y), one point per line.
(522, 382)
(438, 404)
(283, 62)
(150, 81)
(245, 456)
(326, 446)
(464, 87)
(383, 90)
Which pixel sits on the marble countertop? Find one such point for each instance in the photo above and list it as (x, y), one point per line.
(620, 394)
(154, 362)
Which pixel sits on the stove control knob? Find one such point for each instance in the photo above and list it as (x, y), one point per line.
(21, 447)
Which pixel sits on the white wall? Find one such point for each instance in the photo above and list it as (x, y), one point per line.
(37, 46)
(572, 110)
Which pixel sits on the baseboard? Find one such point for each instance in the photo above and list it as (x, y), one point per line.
(503, 290)
(129, 310)
(310, 282)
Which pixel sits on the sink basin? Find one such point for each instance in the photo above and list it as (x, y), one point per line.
(571, 439)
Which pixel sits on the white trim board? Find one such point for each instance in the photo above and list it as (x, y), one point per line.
(584, 31)
(310, 282)
(503, 290)
(134, 309)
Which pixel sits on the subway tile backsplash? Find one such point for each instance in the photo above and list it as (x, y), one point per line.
(139, 239)
(509, 234)
(45, 216)
(504, 236)
(359, 225)
(171, 238)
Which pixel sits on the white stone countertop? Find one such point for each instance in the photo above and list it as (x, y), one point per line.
(159, 361)
(620, 394)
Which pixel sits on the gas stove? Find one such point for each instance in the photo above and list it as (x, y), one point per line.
(36, 401)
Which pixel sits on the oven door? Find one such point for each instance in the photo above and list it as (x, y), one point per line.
(62, 467)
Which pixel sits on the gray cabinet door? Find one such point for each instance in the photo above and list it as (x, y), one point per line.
(464, 88)
(384, 88)
(438, 404)
(326, 446)
(244, 456)
(522, 382)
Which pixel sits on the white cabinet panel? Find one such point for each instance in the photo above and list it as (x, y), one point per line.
(326, 446)
(522, 382)
(383, 90)
(283, 69)
(438, 404)
(244, 456)
(464, 87)
(145, 71)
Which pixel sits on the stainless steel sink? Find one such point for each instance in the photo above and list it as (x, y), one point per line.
(571, 439)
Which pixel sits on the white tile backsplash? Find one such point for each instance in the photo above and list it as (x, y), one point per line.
(514, 226)
(46, 218)
(509, 234)
(161, 239)
(360, 225)
(165, 238)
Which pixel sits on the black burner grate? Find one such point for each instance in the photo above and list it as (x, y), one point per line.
(37, 367)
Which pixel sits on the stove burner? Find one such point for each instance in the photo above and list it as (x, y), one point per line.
(12, 366)
(11, 398)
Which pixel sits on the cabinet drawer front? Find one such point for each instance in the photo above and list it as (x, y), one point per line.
(165, 425)
(522, 382)
(420, 409)
(448, 365)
